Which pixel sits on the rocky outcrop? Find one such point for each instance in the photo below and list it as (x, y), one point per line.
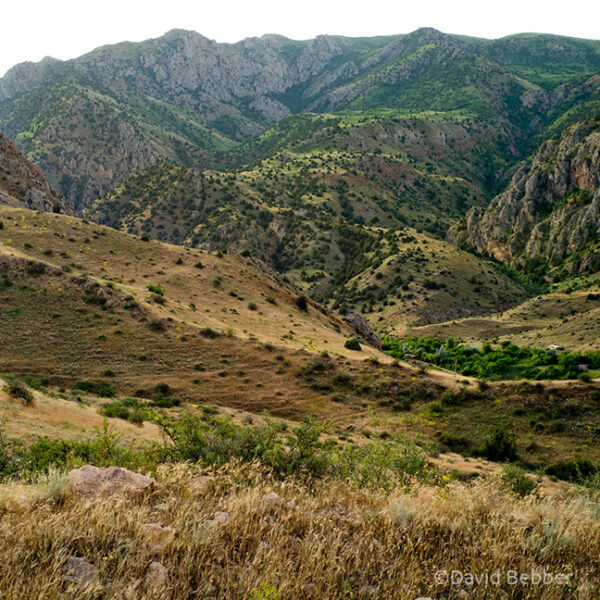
(22, 184)
(94, 149)
(364, 330)
(551, 209)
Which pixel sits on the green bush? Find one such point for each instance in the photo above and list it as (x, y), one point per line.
(209, 333)
(157, 324)
(213, 440)
(98, 388)
(36, 268)
(105, 448)
(155, 289)
(19, 390)
(128, 409)
(499, 446)
(575, 471)
(301, 303)
(448, 398)
(517, 480)
(352, 344)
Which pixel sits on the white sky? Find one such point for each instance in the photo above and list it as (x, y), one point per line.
(32, 29)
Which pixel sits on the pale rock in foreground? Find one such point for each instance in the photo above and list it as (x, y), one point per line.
(109, 481)
(199, 486)
(271, 499)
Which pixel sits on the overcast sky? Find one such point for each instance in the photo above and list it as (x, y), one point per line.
(32, 29)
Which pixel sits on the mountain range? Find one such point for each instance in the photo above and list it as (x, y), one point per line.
(370, 171)
(93, 121)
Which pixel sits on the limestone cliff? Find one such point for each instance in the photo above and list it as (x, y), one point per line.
(550, 212)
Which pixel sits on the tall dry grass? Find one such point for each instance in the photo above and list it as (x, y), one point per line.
(326, 541)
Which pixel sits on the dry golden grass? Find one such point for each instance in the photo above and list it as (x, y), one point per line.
(327, 541)
(198, 297)
(56, 417)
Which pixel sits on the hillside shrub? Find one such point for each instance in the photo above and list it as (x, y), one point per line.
(301, 303)
(209, 332)
(517, 480)
(499, 446)
(36, 267)
(20, 391)
(352, 344)
(157, 324)
(98, 388)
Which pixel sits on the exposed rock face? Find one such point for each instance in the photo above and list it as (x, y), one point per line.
(22, 184)
(109, 481)
(364, 330)
(550, 210)
(90, 163)
(157, 576)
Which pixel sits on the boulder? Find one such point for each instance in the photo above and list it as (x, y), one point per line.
(364, 330)
(109, 481)
(221, 516)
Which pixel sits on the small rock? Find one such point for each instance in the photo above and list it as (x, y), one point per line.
(463, 595)
(371, 590)
(156, 576)
(163, 507)
(109, 481)
(221, 517)
(80, 572)
(309, 588)
(290, 504)
(200, 486)
(272, 498)
(158, 537)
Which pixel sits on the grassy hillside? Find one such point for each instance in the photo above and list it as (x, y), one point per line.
(90, 310)
(568, 320)
(339, 204)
